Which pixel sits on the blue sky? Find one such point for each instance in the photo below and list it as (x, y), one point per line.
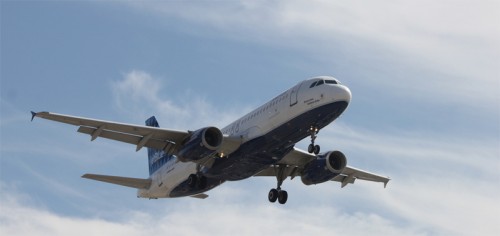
(425, 111)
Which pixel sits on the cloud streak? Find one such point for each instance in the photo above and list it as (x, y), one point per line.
(441, 184)
(429, 174)
(453, 47)
(426, 195)
(195, 218)
(138, 95)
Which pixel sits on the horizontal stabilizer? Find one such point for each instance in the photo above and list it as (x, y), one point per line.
(124, 181)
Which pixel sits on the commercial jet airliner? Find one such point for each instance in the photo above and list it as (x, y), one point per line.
(261, 143)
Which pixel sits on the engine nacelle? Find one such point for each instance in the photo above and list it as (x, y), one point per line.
(336, 161)
(202, 143)
(324, 168)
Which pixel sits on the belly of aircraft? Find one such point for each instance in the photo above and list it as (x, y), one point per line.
(261, 152)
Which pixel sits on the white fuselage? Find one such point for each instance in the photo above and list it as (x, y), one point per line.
(281, 109)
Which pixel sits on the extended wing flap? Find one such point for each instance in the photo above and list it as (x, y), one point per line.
(344, 179)
(126, 138)
(124, 181)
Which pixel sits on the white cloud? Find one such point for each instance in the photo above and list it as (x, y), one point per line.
(138, 94)
(426, 196)
(453, 47)
(456, 206)
(439, 186)
(423, 207)
(17, 217)
(424, 150)
(444, 184)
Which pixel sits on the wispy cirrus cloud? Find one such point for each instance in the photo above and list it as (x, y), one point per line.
(139, 95)
(410, 209)
(426, 170)
(440, 183)
(425, 196)
(448, 51)
(19, 217)
(424, 149)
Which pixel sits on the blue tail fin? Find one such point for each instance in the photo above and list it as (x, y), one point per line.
(154, 155)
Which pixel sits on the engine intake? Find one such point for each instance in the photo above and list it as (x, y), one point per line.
(324, 168)
(202, 143)
(336, 161)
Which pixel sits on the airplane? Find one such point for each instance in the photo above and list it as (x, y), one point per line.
(261, 143)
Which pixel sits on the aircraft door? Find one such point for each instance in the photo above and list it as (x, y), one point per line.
(294, 94)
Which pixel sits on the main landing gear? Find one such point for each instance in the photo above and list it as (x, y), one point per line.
(197, 181)
(277, 193)
(314, 133)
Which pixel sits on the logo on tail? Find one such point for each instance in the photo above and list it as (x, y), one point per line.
(155, 156)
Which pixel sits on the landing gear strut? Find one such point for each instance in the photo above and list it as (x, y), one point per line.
(277, 193)
(314, 133)
(197, 180)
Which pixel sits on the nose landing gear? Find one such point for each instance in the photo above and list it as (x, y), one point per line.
(314, 133)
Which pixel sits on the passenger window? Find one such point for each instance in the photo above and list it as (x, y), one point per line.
(313, 84)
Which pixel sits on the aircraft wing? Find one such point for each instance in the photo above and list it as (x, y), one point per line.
(297, 159)
(141, 136)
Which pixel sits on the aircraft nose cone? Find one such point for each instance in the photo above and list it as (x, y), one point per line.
(343, 93)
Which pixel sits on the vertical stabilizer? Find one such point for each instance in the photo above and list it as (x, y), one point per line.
(154, 155)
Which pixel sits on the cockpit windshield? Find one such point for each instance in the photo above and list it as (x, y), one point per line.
(331, 81)
(326, 81)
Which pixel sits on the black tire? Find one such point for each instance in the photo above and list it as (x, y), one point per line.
(191, 181)
(273, 195)
(310, 149)
(316, 149)
(282, 197)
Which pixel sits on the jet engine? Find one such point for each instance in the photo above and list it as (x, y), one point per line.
(202, 143)
(324, 168)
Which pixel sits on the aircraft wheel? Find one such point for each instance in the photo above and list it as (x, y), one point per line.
(273, 195)
(316, 149)
(282, 197)
(192, 180)
(310, 149)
